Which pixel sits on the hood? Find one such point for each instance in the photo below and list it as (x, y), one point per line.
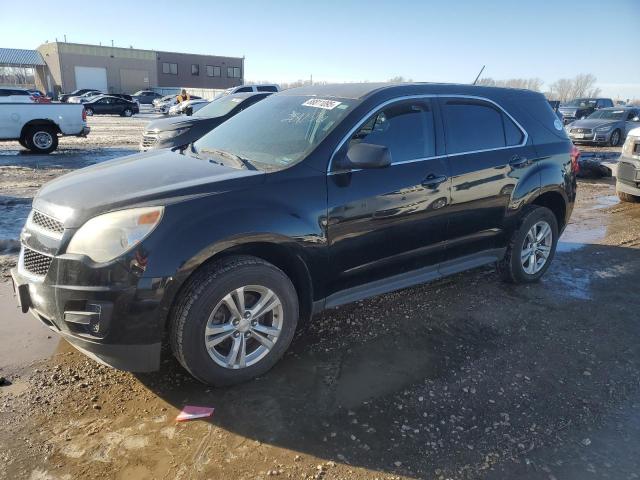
(157, 177)
(592, 123)
(171, 123)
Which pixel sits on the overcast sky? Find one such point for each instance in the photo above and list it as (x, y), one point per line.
(364, 40)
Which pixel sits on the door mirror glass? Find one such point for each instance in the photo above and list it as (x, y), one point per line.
(367, 155)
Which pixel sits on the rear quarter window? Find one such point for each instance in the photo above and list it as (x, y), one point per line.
(538, 118)
(472, 125)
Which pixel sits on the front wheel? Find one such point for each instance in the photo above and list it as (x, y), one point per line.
(234, 320)
(127, 112)
(531, 247)
(89, 111)
(614, 139)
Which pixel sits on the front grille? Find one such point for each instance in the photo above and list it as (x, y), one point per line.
(148, 141)
(581, 130)
(47, 223)
(35, 263)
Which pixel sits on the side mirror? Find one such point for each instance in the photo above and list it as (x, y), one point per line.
(367, 155)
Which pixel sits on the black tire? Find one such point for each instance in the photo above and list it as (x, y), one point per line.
(627, 197)
(197, 301)
(614, 139)
(24, 142)
(127, 112)
(42, 139)
(510, 267)
(89, 111)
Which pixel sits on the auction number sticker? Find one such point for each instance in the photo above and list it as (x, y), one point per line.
(321, 103)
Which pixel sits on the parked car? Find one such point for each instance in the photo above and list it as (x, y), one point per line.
(180, 131)
(145, 97)
(38, 96)
(85, 97)
(63, 97)
(312, 198)
(607, 126)
(583, 107)
(188, 107)
(168, 101)
(37, 127)
(628, 175)
(266, 87)
(165, 98)
(124, 96)
(109, 105)
(15, 95)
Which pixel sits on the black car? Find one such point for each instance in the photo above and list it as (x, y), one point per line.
(312, 198)
(145, 96)
(111, 105)
(179, 131)
(123, 96)
(63, 97)
(582, 107)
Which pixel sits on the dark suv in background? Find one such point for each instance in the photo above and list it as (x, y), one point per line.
(582, 107)
(312, 198)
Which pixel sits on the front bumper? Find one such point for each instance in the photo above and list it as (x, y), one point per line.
(593, 137)
(108, 313)
(628, 176)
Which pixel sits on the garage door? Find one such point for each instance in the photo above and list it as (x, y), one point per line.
(133, 80)
(91, 77)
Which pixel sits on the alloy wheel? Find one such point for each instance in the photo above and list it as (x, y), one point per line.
(244, 326)
(536, 247)
(615, 138)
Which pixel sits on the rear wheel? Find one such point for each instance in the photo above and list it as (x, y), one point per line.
(531, 248)
(627, 197)
(89, 111)
(234, 320)
(42, 139)
(127, 112)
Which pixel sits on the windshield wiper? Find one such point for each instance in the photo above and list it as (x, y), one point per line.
(232, 156)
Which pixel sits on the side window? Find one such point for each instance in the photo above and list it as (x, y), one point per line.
(632, 114)
(195, 69)
(406, 129)
(513, 135)
(4, 93)
(267, 89)
(473, 125)
(244, 89)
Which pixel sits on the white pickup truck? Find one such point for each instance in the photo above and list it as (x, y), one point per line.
(37, 125)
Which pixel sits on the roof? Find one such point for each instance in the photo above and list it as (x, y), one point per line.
(359, 91)
(18, 56)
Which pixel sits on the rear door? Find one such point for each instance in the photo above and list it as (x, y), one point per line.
(387, 221)
(487, 155)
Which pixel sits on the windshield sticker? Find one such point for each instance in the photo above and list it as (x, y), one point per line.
(320, 103)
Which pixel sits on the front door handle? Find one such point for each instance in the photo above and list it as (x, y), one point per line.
(433, 181)
(517, 161)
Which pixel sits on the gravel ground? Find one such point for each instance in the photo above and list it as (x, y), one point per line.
(463, 378)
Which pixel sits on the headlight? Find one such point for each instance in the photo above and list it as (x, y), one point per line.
(108, 236)
(604, 129)
(172, 133)
(627, 148)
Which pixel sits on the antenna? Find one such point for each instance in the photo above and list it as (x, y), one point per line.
(478, 77)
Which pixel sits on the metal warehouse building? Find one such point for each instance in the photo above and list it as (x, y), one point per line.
(62, 67)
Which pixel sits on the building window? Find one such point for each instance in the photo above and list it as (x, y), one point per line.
(233, 72)
(195, 69)
(170, 68)
(213, 71)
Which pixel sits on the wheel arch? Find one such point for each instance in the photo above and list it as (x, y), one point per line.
(554, 201)
(40, 122)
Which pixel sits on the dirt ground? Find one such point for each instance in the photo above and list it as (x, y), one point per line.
(463, 378)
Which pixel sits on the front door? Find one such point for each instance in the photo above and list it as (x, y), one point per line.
(390, 220)
(488, 155)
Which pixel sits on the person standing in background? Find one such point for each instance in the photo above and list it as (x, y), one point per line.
(183, 96)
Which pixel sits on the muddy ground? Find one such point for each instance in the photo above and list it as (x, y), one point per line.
(464, 378)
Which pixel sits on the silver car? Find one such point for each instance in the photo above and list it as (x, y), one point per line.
(607, 126)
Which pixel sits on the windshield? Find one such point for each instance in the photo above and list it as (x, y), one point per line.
(277, 132)
(218, 107)
(608, 114)
(581, 102)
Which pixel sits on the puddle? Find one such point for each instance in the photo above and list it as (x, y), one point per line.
(578, 235)
(607, 201)
(575, 282)
(13, 215)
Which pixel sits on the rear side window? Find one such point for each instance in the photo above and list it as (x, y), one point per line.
(267, 89)
(472, 125)
(244, 89)
(406, 129)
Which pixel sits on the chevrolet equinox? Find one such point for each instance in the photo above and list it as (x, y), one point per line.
(312, 198)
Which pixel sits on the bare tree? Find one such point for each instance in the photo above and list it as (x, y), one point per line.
(583, 83)
(399, 79)
(561, 89)
(527, 83)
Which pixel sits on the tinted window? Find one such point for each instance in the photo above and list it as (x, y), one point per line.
(4, 93)
(406, 129)
(244, 89)
(513, 134)
(472, 125)
(267, 89)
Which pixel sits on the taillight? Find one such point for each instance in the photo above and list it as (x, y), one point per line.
(84, 114)
(575, 154)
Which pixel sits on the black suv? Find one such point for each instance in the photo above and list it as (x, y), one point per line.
(312, 198)
(582, 107)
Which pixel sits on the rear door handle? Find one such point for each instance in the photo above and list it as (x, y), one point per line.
(517, 161)
(433, 181)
